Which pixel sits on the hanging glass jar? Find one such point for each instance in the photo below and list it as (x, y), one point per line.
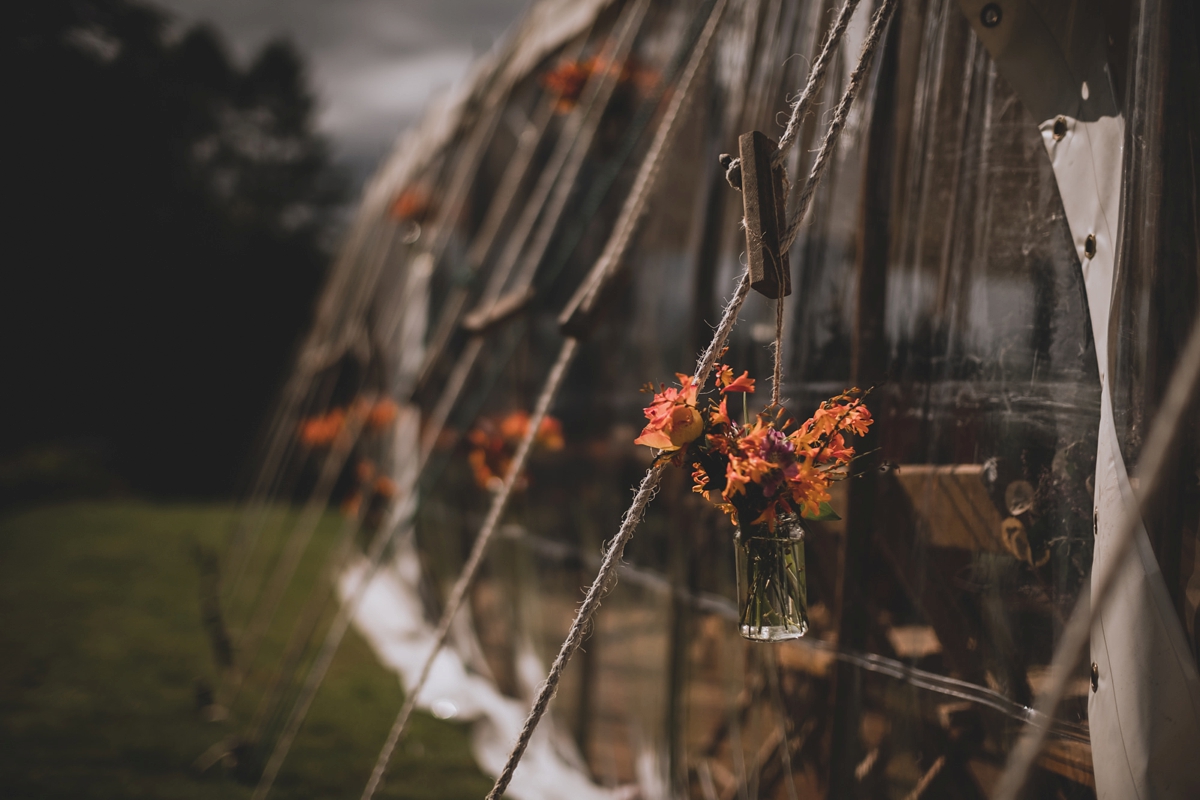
(772, 585)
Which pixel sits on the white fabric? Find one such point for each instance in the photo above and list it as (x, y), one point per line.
(390, 618)
(1145, 714)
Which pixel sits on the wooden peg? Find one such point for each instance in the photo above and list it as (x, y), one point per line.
(763, 203)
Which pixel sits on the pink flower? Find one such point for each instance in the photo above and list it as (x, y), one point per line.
(674, 420)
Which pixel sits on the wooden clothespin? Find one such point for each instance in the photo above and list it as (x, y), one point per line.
(765, 214)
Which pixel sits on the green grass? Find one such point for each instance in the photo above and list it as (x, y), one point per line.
(101, 643)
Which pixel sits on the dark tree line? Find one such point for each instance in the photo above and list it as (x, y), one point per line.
(167, 230)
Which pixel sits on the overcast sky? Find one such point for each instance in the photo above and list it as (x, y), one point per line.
(374, 64)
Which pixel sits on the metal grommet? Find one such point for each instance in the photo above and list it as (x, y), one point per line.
(1060, 128)
(1095, 676)
(991, 15)
(1089, 245)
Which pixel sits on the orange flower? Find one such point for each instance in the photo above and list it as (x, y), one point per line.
(382, 414)
(550, 434)
(412, 203)
(385, 487)
(321, 430)
(514, 426)
(821, 436)
(742, 383)
(728, 383)
(767, 472)
(567, 80)
(494, 444)
(674, 420)
(735, 481)
(479, 468)
(351, 505)
(721, 415)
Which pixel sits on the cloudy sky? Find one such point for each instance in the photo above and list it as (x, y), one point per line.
(375, 64)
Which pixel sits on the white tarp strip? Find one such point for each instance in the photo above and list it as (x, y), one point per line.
(391, 619)
(1145, 714)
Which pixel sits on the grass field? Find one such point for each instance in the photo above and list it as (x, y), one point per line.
(101, 645)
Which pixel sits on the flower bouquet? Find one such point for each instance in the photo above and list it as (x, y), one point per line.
(494, 443)
(766, 479)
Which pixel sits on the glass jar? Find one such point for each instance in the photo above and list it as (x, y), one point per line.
(771, 582)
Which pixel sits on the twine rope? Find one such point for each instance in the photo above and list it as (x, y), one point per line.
(631, 213)
(471, 568)
(838, 122)
(812, 87)
(799, 110)
(707, 360)
(816, 80)
(777, 373)
(612, 557)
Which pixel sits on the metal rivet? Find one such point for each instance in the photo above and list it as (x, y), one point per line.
(990, 15)
(1089, 245)
(1060, 128)
(1095, 676)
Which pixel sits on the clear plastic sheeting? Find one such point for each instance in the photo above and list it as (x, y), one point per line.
(937, 266)
(988, 399)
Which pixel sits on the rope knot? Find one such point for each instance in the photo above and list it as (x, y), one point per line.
(733, 170)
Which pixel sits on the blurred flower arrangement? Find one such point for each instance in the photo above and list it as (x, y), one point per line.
(371, 485)
(494, 443)
(568, 78)
(321, 430)
(412, 203)
(765, 478)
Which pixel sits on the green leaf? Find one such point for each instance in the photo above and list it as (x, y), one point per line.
(825, 514)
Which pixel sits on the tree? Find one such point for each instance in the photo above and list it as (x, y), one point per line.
(169, 213)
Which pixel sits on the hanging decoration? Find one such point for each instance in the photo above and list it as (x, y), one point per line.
(765, 478)
(320, 430)
(413, 203)
(568, 78)
(494, 443)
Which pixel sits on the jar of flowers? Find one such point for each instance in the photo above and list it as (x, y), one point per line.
(767, 476)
